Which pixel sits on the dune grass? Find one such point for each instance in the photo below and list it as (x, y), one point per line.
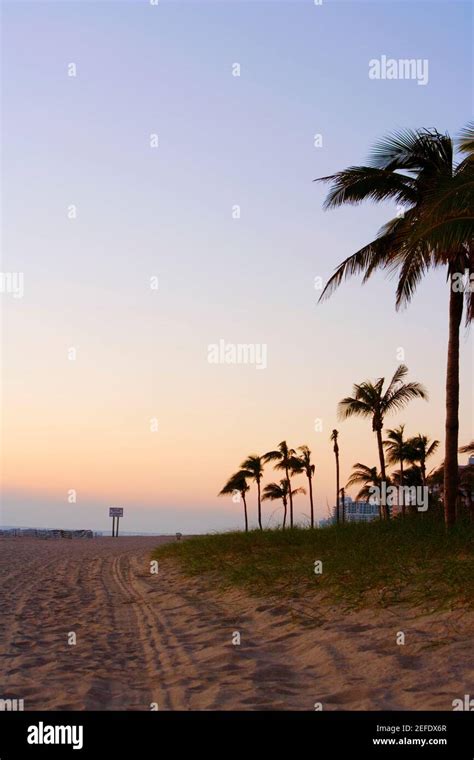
(378, 564)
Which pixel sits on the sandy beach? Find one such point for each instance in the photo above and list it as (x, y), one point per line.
(143, 638)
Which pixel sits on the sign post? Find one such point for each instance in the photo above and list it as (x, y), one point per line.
(115, 513)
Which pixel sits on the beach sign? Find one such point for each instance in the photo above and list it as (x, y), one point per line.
(115, 513)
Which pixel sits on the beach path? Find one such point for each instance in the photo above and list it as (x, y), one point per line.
(148, 640)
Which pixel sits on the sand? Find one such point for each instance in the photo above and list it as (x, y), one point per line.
(165, 640)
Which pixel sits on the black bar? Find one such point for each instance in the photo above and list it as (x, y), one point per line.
(324, 734)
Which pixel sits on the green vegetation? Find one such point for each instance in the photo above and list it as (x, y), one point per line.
(412, 561)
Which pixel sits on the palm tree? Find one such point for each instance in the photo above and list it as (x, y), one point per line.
(397, 449)
(370, 400)
(238, 483)
(368, 478)
(252, 468)
(418, 170)
(334, 437)
(303, 464)
(285, 459)
(419, 450)
(281, 491)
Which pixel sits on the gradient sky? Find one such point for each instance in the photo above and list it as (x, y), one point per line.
(167, 212)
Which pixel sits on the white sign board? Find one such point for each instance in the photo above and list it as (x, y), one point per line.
(115, 511)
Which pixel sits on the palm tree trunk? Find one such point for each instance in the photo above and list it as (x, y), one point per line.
(385, 509)
(245, 514)
(451, 472)
(291, 497)
(402, 494)
(311, 500)
(259, 503)
(284, 513)
(337, 488)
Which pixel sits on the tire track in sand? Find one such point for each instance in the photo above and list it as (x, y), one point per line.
(162, 650)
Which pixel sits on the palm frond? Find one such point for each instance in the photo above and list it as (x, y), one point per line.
(466, 139)
(271, 456)
(401, 396)
(236, 482)
(400, 373)
(254, 466)
(350, 407)
(360, 183)
(365, 261)
(432, 449)
(413, 150)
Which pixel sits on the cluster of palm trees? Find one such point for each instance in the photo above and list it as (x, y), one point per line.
(410, 454)
(286, 460)
(434, 188)
(373, 401)
(399, 451)
(290, 462)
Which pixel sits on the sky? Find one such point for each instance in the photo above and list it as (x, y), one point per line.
(161, 200)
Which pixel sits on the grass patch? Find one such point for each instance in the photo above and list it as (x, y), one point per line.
(373, 564)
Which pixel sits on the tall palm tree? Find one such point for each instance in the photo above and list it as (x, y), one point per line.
(303, 464)
(238, 483)
(398, 452)
(368, 478)
(334, 437)
(285, 459)
(419, 450)
(281, 491)
(371, 400)
(419, 171)
(252, 468)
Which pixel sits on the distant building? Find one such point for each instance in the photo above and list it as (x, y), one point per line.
(359, 511)
(354, 511)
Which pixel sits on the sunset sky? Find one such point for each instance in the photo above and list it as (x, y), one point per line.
(167, 212)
